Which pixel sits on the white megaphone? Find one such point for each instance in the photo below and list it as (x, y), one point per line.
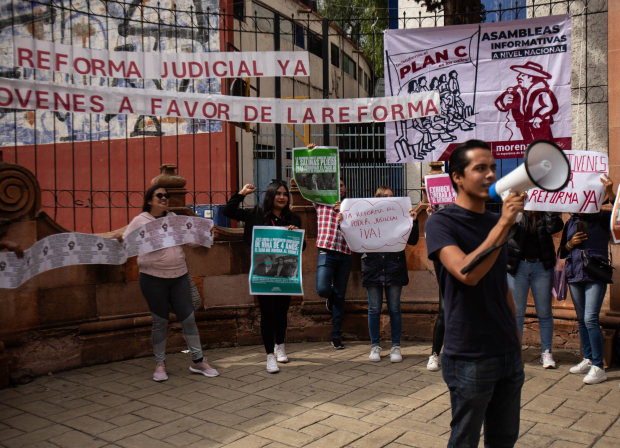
(544, 166)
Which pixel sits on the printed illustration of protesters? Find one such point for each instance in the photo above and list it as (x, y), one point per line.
(422, 84)
(531, 102)
(455, 91)
(481, 362)
(334, 263)
(266, 268)
(412, 87)
(440, 127)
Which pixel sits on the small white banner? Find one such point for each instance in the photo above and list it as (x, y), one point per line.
(585, 191)
(44, 55)
(68, 249)
(376, 224)
(21, 94)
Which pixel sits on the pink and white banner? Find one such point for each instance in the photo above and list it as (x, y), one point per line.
(507, 83)
(21, 94)
(439, 189)
(585, 191)
(44, 55)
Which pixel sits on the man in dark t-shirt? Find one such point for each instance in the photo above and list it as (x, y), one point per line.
(481, 362)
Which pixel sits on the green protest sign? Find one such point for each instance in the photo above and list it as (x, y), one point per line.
(316, 172)
(276, 261)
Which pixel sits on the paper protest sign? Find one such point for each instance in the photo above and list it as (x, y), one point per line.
(316, 173)
(583, 194)
(376, 224)
(68, 249)
(276, 261)
(439, 189)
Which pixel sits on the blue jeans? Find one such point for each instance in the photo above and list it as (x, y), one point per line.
(375, 302)
(484, 391)
(588, 299)
(332, 276)
(541, 281)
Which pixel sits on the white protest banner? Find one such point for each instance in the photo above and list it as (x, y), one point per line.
(507, 83)
(585, 191)
(67, 249)
(44, 55)
(21, 94)
(439, 189)
(376, 224)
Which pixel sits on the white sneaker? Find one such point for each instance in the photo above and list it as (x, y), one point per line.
(595, 375)
(433, 363)
(375, 354)
(582, 367)
(546, 358)
(272, 365)
(280, 353)
(395, 355)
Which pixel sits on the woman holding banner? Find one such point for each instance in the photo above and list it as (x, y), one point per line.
(585, 241)
(276, 212)
(386, 271)
(164, 281)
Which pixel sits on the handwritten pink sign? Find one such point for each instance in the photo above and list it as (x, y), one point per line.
(439, 189)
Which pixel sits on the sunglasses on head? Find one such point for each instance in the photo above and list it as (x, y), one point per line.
(162, 195)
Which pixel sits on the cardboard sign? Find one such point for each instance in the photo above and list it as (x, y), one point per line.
(317, 174)
(376, 224)
(439, 189)
(276, 261)
(585, 191)
(68, 249)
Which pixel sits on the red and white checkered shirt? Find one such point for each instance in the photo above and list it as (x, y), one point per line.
(329, 236)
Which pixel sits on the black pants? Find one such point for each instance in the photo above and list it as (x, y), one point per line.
(273, 319)
(440, 328)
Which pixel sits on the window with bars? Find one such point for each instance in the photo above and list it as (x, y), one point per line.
(349, 66)
(335, 56)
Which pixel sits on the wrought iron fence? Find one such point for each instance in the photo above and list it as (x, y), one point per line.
(93, 169)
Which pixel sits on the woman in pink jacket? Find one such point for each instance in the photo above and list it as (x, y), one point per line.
(164, 281)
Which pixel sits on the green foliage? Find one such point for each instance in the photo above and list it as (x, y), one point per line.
(362, 21)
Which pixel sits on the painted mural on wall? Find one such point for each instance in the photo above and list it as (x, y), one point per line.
(124, 25)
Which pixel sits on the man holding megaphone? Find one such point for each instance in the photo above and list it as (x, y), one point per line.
(481, 362)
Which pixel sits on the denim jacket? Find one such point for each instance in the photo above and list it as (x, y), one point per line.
(595, 246)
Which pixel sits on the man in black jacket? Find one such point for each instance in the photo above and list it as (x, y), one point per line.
(531, 258)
